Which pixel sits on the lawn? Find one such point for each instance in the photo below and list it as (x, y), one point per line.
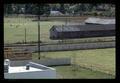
(98, 59)
(67, 72)
(14, 31)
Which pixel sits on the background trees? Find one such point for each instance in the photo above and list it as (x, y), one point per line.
(63, 8)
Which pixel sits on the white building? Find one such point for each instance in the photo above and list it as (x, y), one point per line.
(93, 20)
(30, 71)
(55, 13)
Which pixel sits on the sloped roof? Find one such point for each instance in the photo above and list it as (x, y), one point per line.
(55, 12)
(99, 21)
(70, 28)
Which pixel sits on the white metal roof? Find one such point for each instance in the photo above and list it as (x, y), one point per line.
(94, 20)
(55, 12)
(19, 69)
(22, 69)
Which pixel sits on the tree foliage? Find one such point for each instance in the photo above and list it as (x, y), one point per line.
(63, 8)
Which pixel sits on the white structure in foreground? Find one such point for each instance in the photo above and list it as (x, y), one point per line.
(30, 71)
(93, 20)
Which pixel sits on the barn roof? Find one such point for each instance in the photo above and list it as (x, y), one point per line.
(69, 28)
(94, 20)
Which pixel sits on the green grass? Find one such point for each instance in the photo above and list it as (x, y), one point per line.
(98, 59)
(67, 72)
(13, 34)
(16, 34)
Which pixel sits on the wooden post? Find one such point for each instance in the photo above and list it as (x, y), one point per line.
(25, 36)
(38, 32)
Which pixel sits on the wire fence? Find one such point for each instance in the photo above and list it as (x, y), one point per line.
(77, 46)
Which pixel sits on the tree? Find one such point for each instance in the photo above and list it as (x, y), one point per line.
(47, 9)
(54, 7)
(66, 8)
(27, 8)
(8, 8)
(62, 9)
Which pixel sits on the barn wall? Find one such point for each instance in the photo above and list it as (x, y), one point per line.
(83, 34)
(97, 33)
(53, 33)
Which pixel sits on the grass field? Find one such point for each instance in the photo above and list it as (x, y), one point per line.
(67, 72)
(98, 59)
(14, 30)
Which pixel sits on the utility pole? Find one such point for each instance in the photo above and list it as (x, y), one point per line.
(25, 35)
(38, 32)
(25, 28)
(66, 21)
(62, 34)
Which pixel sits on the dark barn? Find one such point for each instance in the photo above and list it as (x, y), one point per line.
(81, 31)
